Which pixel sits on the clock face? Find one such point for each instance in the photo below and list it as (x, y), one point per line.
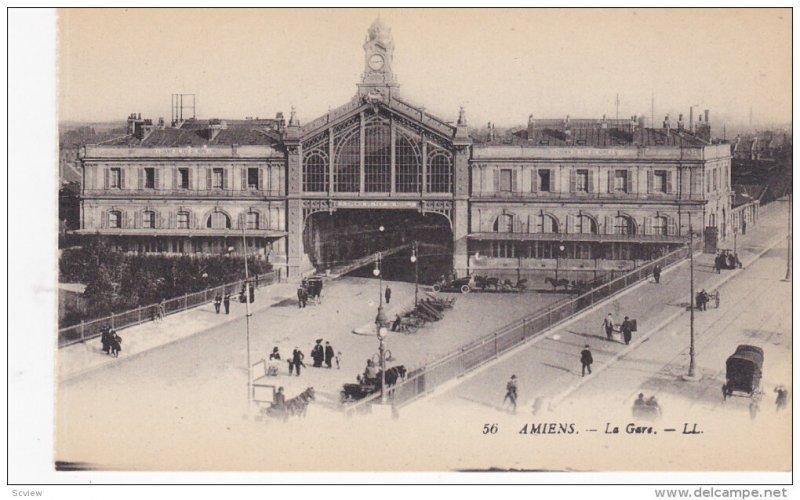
(376, 62)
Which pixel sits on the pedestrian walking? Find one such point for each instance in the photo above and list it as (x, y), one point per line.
(744, 227)
(162, 310)
(227, 303)
(657, 273)
(608, 324)
(299, 297)
(318, 354)
(115, 343)
(297, 361)
(329, 355)
(586, 360)
(716, 299)
(511, 392)
(780, 401)
(704, 298)
(718, 263)
(217, 302)
(338, 360)
(388, 294)
(627, 330)
(105, 340)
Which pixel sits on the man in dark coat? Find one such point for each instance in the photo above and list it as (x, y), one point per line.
(718, 262)
(586, 360)
(329, 355)
(388, 294)
(626, 330)
(217, 302)
(299, 297)
(105, 340)
(297, 361)
(227, 303)
(318, 354)
(511, 392)
(657, 273)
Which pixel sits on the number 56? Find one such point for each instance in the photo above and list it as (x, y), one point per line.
(490, 428)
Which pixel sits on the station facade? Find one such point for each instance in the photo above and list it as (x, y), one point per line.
(580, 195)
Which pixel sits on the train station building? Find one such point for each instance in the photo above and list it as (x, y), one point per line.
(574, 195)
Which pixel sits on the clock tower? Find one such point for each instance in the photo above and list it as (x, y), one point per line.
(378, 77)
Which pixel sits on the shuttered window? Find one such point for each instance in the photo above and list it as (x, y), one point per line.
(149, 220)
(115, 219)
(506, 176)
(544, 180)
(115, 178)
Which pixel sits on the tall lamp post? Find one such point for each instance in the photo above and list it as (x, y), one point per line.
(380, 327)
(414, 260)
(561, 249)
(691, 376)
(247, 313)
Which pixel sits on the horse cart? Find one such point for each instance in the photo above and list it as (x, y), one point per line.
(368, 386)
(313, 288)
(491, 284)
(743, 372)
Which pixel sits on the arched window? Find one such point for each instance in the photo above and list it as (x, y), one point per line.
(115, 219)
(377, 158)
(504, 224)
(660, 226)
(347, 165)
(547, 224)
(408, 173)
(252, 220)
(624, 225)
(149, 219)
(218, 220)
(440, 174)
(586, 225)
(315, 172)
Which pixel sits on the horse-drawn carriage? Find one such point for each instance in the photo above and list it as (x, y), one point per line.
(368, 386)
(491, 284)
(743, 372)
(283, 408)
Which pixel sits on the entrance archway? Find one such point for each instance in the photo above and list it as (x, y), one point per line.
(335, 239)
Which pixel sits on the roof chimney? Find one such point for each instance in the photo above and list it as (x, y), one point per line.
(680, 122)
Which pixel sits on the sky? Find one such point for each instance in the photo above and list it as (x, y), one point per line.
(500, 64)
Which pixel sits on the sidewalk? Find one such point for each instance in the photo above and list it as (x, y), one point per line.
(81, 358)
(549, 368)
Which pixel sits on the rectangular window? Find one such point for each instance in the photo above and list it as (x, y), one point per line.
(115, 178)
(252, 220)
(183, 178)
(715, 178)
(621, 181)
(582, 181)
(115, 219)
(216, 178)
(505, 180)
(149, 220)
(660, 181)
(149, 178)
(183, 220)
(252, 178)
(503, 249)
(544, 180)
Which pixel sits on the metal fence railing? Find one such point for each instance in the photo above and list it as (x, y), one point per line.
(425, 379)
(87, 330)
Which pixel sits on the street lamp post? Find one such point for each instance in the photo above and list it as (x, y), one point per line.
(247, 313)
(380, 327)
(691, 375)
(414, 260)
(558, 256)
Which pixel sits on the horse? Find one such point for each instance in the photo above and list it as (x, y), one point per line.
(557, 283)
(296, 406)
